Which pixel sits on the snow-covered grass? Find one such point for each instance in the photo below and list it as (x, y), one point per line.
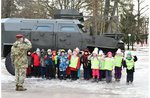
(139, 89)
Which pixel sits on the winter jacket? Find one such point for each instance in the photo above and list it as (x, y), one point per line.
(36, 59)
(19, 54)
(42, 59)
(55, 59)
(85, 61)
(63, 63)
(30, 60)
(48, 60)
(127, 63)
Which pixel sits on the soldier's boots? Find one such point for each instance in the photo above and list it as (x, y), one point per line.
(20, 88)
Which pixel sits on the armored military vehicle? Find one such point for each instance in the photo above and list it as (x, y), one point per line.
(54, 34)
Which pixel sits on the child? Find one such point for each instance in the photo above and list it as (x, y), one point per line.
(30, 63)
(109, 62)
(74, 65)
(95, 64)
(78, 54)
(118, 64)
(63, 63)
(68, 69)
(129, 64)
(36, 62)
(57, 67)
(102, 65)
(54, 59)
(49, 64)
(85, 63)
(43, 65)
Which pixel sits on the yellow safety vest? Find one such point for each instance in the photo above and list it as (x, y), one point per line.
(73, 62)
(56, 58)
(118, 60)
(130, 64)
(95, 63)
(102, 64)
(109, 62)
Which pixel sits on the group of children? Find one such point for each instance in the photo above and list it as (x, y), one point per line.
(51, 64)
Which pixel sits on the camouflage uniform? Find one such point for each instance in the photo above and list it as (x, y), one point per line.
(19, 59)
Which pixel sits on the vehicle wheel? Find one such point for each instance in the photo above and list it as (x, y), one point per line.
(9, 66)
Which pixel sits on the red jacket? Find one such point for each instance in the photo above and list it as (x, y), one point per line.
(78, 65)
(36, 59)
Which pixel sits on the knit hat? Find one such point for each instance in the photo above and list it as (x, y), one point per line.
(129, 53)
(77, 49)
(69, 51)
(109, 53)
(100, 52)
(95, 51)
(37, 50)
(42, 50)
(49, 50)
(129, 56)
(119, 51)
(62, 50)
(86, 50)
(53, 51)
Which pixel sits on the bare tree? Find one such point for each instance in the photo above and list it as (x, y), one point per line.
(8, 8)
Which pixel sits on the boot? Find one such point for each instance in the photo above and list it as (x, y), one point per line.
(17, 87)
(97, 80)
(20, 88)
(94, 80)
(127, 83)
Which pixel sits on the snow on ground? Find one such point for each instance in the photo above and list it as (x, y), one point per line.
(81, 88)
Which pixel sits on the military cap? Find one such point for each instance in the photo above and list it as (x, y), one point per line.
(19, 36)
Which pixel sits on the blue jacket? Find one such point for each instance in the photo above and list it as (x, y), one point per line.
(48, 60)
(63, 63)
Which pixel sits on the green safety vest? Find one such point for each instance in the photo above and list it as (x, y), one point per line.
(130, 64)
(56, 58)
(109, 62)
(118, 60)
(73, 62)
(102, 64)
(95, 63)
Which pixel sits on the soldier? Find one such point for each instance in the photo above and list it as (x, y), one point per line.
(19, 59)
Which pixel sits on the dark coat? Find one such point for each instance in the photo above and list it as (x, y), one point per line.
(124, 64)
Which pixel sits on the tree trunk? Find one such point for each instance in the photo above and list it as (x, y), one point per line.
(112, 16)
(95, 14)
(7, 7)
(106, 13)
